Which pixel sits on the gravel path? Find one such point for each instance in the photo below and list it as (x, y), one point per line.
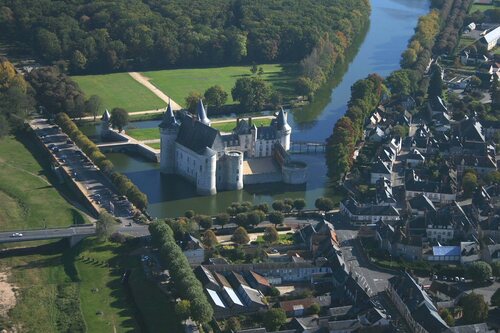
(145, 82)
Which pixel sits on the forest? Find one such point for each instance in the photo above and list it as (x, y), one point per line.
(105, 36)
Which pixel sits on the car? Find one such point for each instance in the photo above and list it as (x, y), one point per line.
(457, 279)
(17, 234)
(462, 279)
(434, 277)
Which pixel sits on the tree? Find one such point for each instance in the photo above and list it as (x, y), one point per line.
(435, 83)
(479, 271)
(209, 239)
(241, 219)
(408, 58)
(119, 118)
(105, 226)
(495, 269)
(474, 307)
(205, 221)
(399, 82)
(278, 205)
(201, 310)
(475, 82)
(252, 93)
(240, 236)
(299, 204)
(400, 130)
(270, 235)
(222, 219)
(215, 96)
(183, 309)
(324, 204)
(447, 317)
(469, 183)
(495, 298)
(314, 308)
(232, 324)
(93, 105)
(276, 218)
(253, 218)
(254, 68)
(189, 214)
(274, 319)
(304, 86)
(192, 101)
(78, 61)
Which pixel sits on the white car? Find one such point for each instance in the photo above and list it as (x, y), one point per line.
(17, 234)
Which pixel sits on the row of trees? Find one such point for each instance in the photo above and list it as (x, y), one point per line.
(111, 35)
(194, 302)
(365, 96)
(15, 98)
(453, 14)
(122, 183)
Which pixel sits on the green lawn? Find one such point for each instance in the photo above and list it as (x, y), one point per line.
(230, 125)
(103, 300)
(178, 83)
(284, 239)
(119, 90)
(28, 200)
(483, 8)
(144, 133)
(154, 145)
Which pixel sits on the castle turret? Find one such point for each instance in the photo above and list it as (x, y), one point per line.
(202, 114)
(206, 180)
(284, 129)
(232, 170)
(169, 128)
(105, 123)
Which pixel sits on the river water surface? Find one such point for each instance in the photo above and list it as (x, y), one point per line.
(392, 23)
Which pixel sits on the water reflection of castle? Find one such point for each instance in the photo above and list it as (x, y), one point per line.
(213, 161)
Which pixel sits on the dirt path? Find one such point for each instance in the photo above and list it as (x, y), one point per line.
(7, 295)
(145, 82)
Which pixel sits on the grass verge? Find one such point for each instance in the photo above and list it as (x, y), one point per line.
(142, 134)
(28, 200)
(229, 126)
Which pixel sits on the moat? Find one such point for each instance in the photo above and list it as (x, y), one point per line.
(392, 23)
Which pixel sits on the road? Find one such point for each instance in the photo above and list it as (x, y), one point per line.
(30, 235)
(370, 276)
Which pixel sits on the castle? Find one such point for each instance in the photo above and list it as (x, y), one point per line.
(214, 161)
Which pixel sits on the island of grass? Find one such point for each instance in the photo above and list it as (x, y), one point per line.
(119, 90)
(28, 200)
(143, 134)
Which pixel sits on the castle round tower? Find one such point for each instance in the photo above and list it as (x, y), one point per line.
(233, 171)
(169, 128)
(206, 177)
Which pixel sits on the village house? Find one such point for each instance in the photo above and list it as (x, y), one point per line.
(363, 214)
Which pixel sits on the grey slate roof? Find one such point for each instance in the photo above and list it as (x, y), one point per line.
(106, 116)
(196, 135)
(422, 203)
(202, 113)
(169, 120)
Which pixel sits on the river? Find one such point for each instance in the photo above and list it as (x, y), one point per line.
(392, 23)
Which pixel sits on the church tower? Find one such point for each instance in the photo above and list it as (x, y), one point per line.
(284, 129)
(169, 128)
(105, 123)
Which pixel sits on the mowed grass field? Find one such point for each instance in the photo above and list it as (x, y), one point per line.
(27, 199)
(178, 83)
(482, 8)
(119, 90)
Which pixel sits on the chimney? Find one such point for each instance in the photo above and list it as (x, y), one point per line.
(237, 121)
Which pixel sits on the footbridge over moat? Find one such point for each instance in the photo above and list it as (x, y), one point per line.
(307, 147)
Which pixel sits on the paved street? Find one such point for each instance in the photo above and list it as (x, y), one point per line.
(370, 276)
(30, 235)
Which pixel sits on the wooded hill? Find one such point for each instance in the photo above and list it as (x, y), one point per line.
(104, 36)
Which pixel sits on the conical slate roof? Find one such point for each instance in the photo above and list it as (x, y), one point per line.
(169, 120)
(282, 121)
(106, 116)
(202, 114)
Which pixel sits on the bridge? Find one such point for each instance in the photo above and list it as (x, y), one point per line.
(75, 233)
(307, 147)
